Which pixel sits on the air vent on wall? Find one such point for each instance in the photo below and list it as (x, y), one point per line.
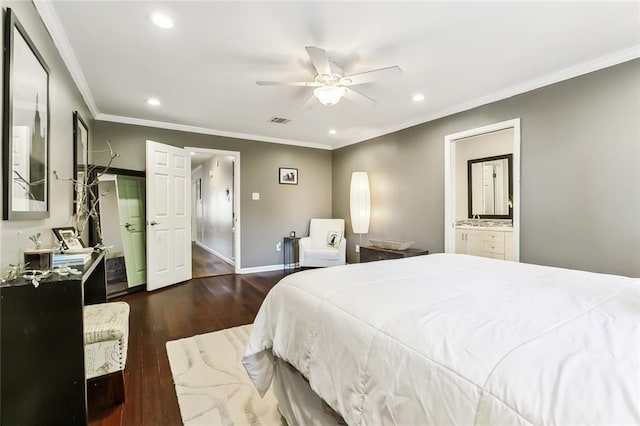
(279, 120)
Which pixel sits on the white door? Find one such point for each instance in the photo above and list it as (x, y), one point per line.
(168, 215)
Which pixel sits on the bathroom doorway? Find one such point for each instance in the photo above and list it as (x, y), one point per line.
(214, 206)
(457, 206)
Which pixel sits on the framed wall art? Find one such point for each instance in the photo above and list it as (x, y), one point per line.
(288, 176)
(80, 162)
(25, 136)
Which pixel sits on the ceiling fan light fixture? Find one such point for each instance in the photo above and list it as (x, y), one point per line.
(329, 95)
(161, 20)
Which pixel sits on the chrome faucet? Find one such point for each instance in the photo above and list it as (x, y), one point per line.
(476, 217)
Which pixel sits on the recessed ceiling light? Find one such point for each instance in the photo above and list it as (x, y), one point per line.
(153, 101)
(332, 131)
(163, 21)
(418, 97)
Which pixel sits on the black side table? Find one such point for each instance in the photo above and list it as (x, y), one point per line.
(291, 253)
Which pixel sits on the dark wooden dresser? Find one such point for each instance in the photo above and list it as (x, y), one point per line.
(42, 376)
(371, 254)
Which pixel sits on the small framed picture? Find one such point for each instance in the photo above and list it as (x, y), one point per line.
(288, 176)
(68, 237)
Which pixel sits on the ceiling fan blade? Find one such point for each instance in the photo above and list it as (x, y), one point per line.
(288, 83)
(309, 103)
(320, 60)
(370, 76)
(358, 97)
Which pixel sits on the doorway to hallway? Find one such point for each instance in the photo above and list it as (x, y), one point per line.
(214, 211)
(206, 264)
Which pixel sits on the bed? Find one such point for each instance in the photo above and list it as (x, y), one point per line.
(453, 339)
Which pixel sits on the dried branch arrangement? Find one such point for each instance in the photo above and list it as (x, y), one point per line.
(87, 194)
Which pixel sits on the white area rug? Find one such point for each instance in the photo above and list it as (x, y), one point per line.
(212, 385)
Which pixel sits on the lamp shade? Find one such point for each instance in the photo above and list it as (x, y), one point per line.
(360, 203)
(329, 95)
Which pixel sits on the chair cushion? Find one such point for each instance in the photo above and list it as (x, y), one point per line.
(105, 321)
(328, 253)
(106, 335)
(102, 358)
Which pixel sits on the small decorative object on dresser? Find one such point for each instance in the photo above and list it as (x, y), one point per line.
(39, 259)
(371, 254)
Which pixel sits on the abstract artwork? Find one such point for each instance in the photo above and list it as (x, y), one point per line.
(25, 126)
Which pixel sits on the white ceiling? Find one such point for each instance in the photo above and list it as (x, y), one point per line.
(459, 54)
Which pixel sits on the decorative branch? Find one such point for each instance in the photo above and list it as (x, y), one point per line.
(88, 199)
(25, 184)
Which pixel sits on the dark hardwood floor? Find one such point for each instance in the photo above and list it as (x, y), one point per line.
(205, 264)
(198, 306)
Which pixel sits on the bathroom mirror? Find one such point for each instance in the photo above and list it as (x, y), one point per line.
(490, 187)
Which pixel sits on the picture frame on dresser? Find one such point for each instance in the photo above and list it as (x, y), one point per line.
(26, 126)
(68, 237)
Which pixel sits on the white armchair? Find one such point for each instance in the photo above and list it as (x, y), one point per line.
(316, 249)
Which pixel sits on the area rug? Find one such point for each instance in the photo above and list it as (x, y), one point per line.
(212, 385)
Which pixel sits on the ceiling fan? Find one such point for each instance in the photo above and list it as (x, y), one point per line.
(331, 85)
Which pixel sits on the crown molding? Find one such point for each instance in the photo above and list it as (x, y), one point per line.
(587, 67)
(50, 18)
(207, 131)
(59, 37)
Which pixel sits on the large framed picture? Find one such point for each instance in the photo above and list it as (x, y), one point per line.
(68, 237)
(288, 176)
(80, 163)
(25, 136)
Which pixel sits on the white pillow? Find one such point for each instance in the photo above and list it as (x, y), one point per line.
(334, 238)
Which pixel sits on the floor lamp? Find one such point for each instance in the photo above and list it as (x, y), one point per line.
(360, 202)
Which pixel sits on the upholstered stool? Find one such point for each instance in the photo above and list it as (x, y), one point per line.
(106, 335)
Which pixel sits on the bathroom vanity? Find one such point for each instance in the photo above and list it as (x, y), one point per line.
(494, 241)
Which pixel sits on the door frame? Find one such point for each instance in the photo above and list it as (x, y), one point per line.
(236, 199)
(450, 180)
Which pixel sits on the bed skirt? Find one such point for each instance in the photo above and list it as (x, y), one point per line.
(297, 402)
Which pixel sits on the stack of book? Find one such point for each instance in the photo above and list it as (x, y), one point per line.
(70, 259)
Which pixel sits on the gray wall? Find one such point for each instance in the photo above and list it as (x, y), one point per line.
(281, 208)
(64, 98)
(580, 176)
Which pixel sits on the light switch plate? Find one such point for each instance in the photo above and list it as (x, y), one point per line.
(255, 195)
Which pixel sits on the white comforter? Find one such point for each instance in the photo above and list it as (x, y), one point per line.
(455, 339)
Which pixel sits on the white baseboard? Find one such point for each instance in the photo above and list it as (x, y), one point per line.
(212, 251)
(266, 268)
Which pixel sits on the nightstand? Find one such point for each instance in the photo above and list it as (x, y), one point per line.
(371, 254)
(291, 253)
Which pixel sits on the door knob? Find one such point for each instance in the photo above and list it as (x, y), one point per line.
(128, 227)
(154, 223)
